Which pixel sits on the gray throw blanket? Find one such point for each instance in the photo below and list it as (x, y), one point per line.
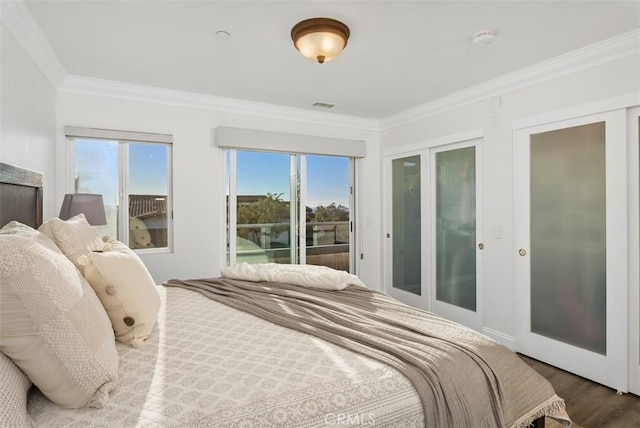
(463, 378)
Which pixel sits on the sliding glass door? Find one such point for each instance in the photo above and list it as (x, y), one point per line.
(263, 211)
(405, 209)
(432, 221)
(407, 225)
(457, 249)
(289, 208)
(327, 210)
(571, 246)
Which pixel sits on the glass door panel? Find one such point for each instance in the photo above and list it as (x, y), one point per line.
(456, 251)
(571, 254)
(455, 193)
(568, 236)
(406, 228)
(328, 229)
(263, 227)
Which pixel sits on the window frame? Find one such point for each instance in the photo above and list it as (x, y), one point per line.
(122, 216)
(298, 162)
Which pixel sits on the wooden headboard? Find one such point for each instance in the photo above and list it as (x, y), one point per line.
(20, 195)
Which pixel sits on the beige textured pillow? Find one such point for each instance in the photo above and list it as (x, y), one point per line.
(53, 325)
(126, 289)
(75, 237)
(140, 233)
(14, 386)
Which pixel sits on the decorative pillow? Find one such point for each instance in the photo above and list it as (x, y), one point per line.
(53, 325)
(46, 229)
(310, 276)
(14, 386)
(141, 235)
(125, 288)
(75, 237)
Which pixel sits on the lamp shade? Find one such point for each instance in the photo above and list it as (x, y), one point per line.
(320, 39)
(89, 204)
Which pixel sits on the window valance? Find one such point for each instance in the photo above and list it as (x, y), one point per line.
(116, 135)
(258, 140)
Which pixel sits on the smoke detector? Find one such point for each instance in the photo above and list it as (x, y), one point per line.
(483, 37)
(223, 35)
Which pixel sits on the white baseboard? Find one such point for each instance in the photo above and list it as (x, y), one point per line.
(499, 337)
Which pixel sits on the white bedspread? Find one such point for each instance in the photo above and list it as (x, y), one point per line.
(208, 365)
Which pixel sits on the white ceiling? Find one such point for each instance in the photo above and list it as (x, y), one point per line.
(401, 54)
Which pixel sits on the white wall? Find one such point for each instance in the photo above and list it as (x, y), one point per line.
(198, 175)
(600, 82)
(27, 116)
(34, 114)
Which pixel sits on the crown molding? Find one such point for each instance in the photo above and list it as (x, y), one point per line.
(17, 18)
(134, 92)
(624, 45)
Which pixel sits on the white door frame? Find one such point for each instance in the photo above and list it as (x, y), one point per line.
(610, 370)
(473, 319)
(634, 249)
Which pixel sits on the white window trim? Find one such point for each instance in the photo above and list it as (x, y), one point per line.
(123, 138)
(229, 246)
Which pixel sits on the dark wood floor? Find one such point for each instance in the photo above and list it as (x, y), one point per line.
(589, 404)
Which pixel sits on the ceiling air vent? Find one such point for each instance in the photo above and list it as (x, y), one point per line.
(321, 104)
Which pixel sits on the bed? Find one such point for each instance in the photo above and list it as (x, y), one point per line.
(211, 362)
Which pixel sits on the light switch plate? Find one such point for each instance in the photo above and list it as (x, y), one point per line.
(497, 230)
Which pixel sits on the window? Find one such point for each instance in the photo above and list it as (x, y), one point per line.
(289, 208)
(290, 197)
(132, 172)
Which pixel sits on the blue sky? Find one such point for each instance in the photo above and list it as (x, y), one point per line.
(262, 173)
(327, 180)
(258, 173)
(148, 169)
(97, 168)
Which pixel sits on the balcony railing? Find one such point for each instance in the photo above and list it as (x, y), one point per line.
(327, 243)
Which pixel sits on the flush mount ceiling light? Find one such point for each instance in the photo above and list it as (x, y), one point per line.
(320, 39)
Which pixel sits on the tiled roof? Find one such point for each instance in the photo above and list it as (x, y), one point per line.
(142, 206)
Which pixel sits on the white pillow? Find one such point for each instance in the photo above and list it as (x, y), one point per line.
(125, 288)
(14, 386)
(75, 237)
(310, 276)
(53, 325)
